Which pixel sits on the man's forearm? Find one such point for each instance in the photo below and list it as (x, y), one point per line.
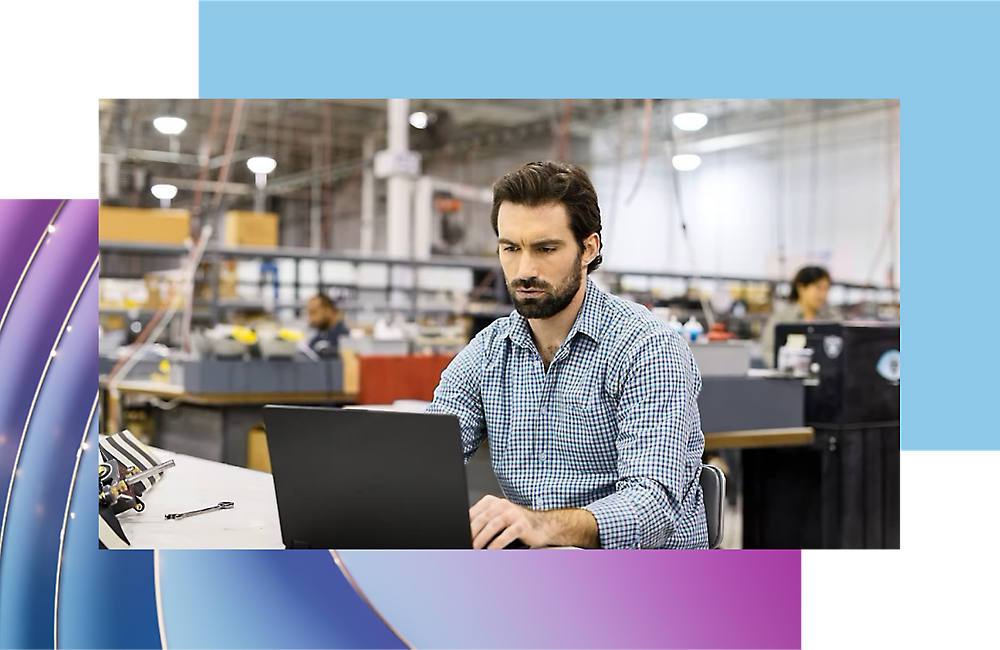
(571, 527)
(636, 516)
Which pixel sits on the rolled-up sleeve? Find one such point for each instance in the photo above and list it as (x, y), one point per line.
(656, 415)
(459, 393)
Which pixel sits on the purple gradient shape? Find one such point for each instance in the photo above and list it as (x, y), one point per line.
(22, 222)
(35, 318)
(586, 599)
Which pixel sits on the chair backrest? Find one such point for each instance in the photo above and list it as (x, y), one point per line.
(713, 487)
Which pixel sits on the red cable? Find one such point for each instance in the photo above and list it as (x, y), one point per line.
(647, 121)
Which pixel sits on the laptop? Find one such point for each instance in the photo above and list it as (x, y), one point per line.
(355, 479)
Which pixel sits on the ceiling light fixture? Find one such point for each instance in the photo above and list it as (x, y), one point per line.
(261, 165)
(686, 162)
(690, 121)
(170, 125)
(419, 120)
(164, 192)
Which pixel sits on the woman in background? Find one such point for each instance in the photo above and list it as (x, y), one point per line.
(809, 291)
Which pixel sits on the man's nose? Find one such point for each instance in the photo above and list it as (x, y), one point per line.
(527, 268)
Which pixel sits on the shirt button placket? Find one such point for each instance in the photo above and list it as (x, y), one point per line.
(543, 411)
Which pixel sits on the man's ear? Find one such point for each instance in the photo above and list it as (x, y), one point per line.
(592, 247)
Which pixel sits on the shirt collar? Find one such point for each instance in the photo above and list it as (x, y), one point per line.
(588, 320)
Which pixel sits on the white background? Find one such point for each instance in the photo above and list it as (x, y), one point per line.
(60, 58)
(940, 591)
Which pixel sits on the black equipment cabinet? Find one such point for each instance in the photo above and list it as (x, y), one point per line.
(843, 490)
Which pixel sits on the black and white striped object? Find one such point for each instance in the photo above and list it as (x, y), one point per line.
(109, 531)
(130, 452)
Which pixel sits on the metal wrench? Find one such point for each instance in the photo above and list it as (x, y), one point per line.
(223, 505)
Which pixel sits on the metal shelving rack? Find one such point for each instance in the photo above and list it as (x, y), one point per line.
(213, 309)
(742, 280)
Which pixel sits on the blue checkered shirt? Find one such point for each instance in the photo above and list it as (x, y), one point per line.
(612, 427)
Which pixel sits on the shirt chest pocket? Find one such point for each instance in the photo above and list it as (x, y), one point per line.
(584, 429)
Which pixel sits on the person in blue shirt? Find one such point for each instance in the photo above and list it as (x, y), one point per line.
(328, 322)
(588, 401)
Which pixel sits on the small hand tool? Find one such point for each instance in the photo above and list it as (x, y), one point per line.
(223, 505)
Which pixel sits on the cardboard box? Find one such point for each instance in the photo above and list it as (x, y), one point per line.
(258, 457)
(228, 281)
(122, 294)
(152, 226)
(161, 285)
(251, 228)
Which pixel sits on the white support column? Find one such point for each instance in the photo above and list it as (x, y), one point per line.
(368, 196)
(400, 186)
(423, 218)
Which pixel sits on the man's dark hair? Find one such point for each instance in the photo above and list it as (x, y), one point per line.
(807, 276)
(325, 300)
(545, 183)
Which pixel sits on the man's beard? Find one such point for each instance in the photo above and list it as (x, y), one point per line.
(552, 301)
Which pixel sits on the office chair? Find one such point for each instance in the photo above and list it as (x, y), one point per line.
(713, 487)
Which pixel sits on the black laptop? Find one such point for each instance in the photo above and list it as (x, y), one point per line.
(354, 479)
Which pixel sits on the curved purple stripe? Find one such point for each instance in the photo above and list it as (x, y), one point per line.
(22, 222)
(38, 500)
(586, 599)
(36, 316)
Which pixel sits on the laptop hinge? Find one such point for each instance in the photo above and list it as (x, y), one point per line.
(297, 544)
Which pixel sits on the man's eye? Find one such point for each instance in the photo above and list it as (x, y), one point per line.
(546, 249)
(510, 249)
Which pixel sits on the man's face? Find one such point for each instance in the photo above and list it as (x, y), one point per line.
(320, 317)
(542, 262)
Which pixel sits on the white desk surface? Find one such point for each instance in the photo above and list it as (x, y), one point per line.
(196, 483)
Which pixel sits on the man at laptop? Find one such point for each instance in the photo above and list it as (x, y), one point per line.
(588, 401)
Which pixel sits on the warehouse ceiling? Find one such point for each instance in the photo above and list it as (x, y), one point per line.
(324, 138)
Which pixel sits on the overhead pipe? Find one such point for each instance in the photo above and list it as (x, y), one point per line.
(328, 173)
(239, 189)
(647, 122)
(326, 226)
(234, 128)
(188, 159)
(316, 197)
(889, 234)
(626, 118)
(894, 213)
(560, 142)
(203, 172)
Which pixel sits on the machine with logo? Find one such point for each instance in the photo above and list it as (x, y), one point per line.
(843, 491)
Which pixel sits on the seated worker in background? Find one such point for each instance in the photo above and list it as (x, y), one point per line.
(809, 291)
(589, 402)
(328, 322)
